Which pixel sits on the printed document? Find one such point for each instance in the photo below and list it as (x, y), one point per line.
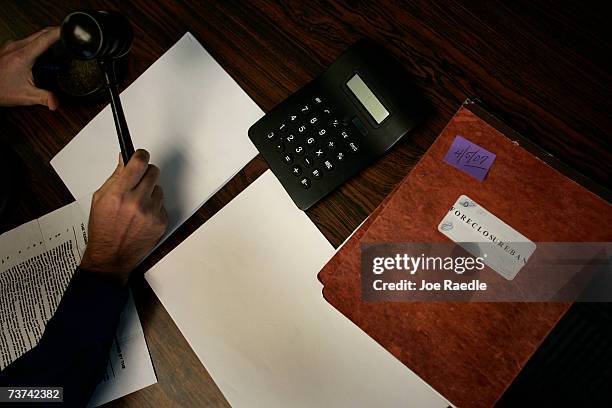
(37, 261)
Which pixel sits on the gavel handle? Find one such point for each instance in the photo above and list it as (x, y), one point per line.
(125, 141)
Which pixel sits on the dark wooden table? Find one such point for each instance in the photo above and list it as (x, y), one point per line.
(540, 66)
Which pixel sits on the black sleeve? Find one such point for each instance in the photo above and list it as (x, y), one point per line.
(73, 350)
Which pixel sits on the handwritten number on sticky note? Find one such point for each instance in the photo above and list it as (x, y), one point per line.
(472, 158)
(469, 158)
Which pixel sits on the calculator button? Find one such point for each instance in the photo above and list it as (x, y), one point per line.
(331, 144)
(282, 127)
(279, 147)
(288, 159)
(317, 100)
(293, 118)
(305, 109)
(305, 182)
(310, 141)
(301, 128)
(322, 132)
(271, 136)
(335, 123)
(296, 170)
(319, 153)
(353, 147)
(316, 173)
(340, 156)
(299, 150)
(328, 165)
(345, 134)
(290, 138)
(308, 161)
(313, 120)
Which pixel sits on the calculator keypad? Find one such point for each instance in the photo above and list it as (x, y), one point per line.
(312, 141)
(314, 146)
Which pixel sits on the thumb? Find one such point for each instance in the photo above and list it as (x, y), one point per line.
(37, 96)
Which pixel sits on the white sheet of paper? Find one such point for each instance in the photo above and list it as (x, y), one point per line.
(188, 113)
(51, 247)
(243, 290)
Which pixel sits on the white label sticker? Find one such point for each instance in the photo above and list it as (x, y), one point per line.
(484, 235)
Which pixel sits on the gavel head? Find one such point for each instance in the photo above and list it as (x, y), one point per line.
(98, 35)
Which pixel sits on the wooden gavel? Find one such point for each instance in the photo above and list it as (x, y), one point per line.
(104, 36)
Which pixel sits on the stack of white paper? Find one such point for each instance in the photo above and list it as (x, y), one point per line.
(188, 113)
(243, 290)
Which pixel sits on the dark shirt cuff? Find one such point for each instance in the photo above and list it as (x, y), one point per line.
(73, 350)
(90, 308)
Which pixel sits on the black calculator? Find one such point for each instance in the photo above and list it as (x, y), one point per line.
(338, 124)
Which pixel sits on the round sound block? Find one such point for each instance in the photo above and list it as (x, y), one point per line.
(71, 78)
(80, 78)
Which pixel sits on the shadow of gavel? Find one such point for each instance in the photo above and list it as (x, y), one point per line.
(104, 36)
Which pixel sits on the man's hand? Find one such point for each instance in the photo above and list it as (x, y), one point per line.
(16, 61)
(127, 219)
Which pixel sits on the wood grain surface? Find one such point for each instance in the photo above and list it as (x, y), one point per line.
(541, 66)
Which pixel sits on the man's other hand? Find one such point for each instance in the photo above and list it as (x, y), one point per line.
(16, 61)
(127, 219)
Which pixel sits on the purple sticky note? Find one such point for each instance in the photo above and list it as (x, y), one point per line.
(469, 157)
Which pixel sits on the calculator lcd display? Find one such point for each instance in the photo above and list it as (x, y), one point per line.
(367, 98)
